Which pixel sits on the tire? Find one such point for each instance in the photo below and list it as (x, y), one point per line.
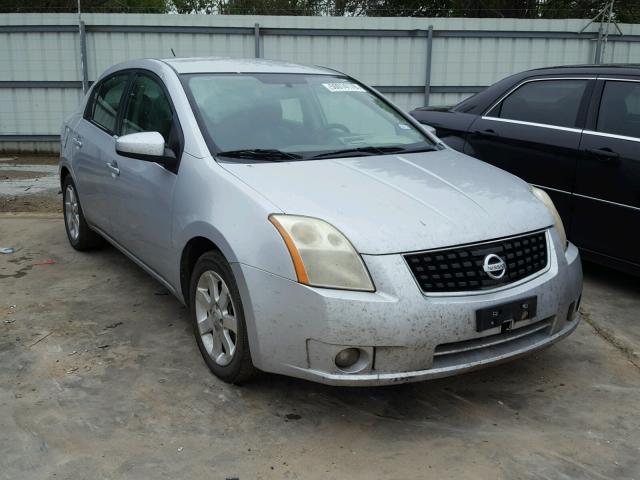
(80, 235)
(225, 351)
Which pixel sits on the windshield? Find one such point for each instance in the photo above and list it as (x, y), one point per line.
(297, 116)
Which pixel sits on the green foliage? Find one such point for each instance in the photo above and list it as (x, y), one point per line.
(271, 7)
(625, 11)
(62, 6)
(194, 6)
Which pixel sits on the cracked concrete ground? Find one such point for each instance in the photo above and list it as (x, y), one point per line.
(29, 184)
(100, 377)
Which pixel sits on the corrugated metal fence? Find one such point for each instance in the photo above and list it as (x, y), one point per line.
(415, 61)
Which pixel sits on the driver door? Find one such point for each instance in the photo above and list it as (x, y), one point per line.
(94, 149)
(143, 191)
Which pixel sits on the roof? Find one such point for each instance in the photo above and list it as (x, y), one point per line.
(482, 100)
(240, 65)
(615, 69)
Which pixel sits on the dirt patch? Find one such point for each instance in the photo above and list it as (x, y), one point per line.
(43, 199)
(28, 160)
(20, 175)
(31, 203)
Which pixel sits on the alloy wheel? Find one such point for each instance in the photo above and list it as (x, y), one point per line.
(72, 212)
(216, 317)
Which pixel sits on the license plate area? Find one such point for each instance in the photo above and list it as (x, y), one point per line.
(506, 314)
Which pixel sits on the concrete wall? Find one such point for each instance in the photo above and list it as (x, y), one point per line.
(41, 74)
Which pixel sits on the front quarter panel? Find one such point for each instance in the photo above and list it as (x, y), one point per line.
(212, 203)
(451, 127)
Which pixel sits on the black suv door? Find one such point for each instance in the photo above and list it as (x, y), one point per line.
(607, 192)
(534, 132)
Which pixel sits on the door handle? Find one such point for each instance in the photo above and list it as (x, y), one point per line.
(605, 155)
(489, 132)
(113, 166)
(77, 142)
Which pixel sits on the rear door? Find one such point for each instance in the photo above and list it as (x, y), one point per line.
(607, 193)
(94, 146)
(143, 190)
(534, 132)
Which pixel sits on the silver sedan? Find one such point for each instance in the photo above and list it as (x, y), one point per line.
(311, 227)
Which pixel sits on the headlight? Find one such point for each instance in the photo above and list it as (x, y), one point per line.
(322, 256)
(544, 198)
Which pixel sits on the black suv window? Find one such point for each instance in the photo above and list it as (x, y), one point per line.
(551, 102)
(620, 109)
(106, 101)
(148, 110)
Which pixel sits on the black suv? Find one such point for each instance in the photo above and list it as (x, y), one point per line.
(573, 131)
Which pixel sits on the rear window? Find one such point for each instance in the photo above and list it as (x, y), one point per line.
(550, 102)
(106, 102)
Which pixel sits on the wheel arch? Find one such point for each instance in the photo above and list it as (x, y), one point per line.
(200, 241)
(64, 173)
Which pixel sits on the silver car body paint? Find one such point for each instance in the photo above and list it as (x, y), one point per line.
(145, 143)
(386, 205)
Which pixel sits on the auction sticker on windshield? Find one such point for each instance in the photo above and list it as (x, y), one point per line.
(343, 87)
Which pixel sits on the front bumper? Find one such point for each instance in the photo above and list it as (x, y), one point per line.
(403, 335)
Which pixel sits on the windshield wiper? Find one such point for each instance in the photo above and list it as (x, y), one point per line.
(423, 148)
(374, 151)
(270, 154)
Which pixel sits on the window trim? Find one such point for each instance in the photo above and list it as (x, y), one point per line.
(612, 135)
(618, 79)
(534, 124)
(581, 108)
(175, 118)
(136, 73)
(593, 124)
(88, 111)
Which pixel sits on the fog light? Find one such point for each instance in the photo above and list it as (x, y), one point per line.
(347, 357)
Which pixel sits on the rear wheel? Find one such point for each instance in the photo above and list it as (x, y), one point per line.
(80, 236)
(218, 319)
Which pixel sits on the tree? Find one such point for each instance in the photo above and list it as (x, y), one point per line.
(194, 6)
(271, 7)
(61, 6)
(626, 11)
(250, 7)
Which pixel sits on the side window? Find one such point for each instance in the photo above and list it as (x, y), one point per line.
(620, 109)
(148, 110)
(106, 102)
(552, 102)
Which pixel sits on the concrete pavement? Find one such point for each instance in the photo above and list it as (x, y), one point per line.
(100, 377)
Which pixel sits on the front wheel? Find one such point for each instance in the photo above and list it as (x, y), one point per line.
(218, 319)
(80, 236)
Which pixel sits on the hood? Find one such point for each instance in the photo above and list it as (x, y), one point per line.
(435, 108)
(401, 203)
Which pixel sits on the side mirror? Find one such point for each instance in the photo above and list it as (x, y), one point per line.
(429, 129)
(147, 146)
